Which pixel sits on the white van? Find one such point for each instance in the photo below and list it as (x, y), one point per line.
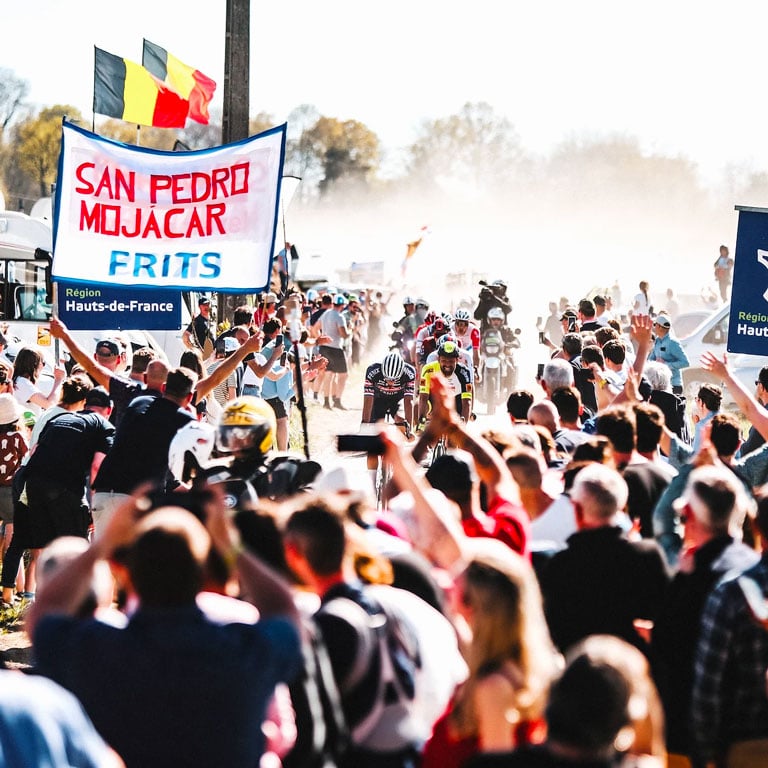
(712, 336)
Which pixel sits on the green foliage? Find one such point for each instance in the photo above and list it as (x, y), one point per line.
(344, 149)
(37, 142)
(474, 146)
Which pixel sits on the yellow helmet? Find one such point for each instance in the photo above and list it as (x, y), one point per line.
(246, 424)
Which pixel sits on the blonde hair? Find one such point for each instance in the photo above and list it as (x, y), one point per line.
(508, 631)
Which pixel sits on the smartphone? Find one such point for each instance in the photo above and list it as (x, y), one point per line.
(542, 337)
(571, 324)
(540, 371)
(753, 594)
(366, 443)
(279, 339)
(283, 358)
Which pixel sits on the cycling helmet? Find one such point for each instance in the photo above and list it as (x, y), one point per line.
(422, 303)
(461, 316)
(408, 300)
(190, 449)
(393, 366)
(495, 313)
(450, 337)
(246, 424)
(447, 348)
(429, 317)
(447, 317)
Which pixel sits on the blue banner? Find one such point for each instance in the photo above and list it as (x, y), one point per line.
(88, 307)
(748, 321)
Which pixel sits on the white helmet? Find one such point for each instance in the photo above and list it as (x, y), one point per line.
(408, 300)
(393, 366)
(422, 303)
(461, 315)
(495, 313)
(190, 449)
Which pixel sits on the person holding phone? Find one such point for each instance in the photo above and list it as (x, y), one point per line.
(278, 385)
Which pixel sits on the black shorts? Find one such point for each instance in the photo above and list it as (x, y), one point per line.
(278, 406)
(383, 406)
(337, 360)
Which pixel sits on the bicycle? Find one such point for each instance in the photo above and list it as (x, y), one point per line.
(384, 469)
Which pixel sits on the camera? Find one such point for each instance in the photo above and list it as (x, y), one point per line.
(372, 444)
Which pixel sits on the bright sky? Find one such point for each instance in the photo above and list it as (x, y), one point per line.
(684, 77)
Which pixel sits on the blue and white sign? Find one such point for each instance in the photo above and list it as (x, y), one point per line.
(748, 321)
(85, 307)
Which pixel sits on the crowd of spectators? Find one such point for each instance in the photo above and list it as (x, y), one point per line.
(582, 585)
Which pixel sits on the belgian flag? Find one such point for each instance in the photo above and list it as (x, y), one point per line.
(188, 82)
(127, 91)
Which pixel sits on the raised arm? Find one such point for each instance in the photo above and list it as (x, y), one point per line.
(96, 371)
(210, 382)
(260, 585)
(744, 399)
(641, 331)
(490, 466)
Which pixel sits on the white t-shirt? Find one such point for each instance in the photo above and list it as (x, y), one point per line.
(23, 389)
(555, 524)
(250, 379)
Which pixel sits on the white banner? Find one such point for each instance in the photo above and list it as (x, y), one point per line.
(139, 217)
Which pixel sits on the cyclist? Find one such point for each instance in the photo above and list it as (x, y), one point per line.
(458, 376)
(386, 385)
(465, 356)
(427, 339)
(468, 335)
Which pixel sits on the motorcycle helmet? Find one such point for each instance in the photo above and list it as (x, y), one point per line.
(246, 424)
(422, 304)
(190, 449)
(495, 313)
(500, 284)
(408, 300)
(393, 366)
(461, 316)
(447, 349)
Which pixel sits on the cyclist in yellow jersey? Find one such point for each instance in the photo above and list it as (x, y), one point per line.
(458, 376)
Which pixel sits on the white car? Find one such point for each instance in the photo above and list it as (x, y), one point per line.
(712, 336)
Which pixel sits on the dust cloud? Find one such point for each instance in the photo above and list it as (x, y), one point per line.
(569, 238)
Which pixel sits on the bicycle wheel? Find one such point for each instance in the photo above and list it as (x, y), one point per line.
(381, 484)
(438, 450)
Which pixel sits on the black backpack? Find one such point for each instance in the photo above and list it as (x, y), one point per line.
(322, 736)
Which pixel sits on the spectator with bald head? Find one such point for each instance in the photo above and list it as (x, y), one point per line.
(552, 517)
(545, 414)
